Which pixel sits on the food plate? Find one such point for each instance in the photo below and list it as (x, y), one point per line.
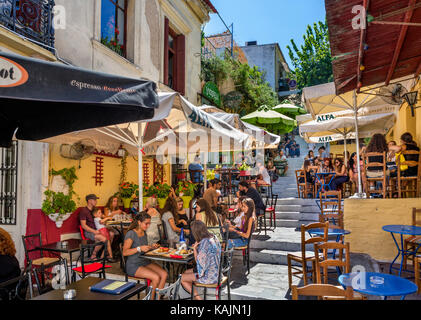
(182, 253)
(159, 252)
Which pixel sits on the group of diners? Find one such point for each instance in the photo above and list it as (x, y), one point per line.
(204, 224)
(349, 172)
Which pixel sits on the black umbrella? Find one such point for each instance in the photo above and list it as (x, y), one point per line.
(41, 99)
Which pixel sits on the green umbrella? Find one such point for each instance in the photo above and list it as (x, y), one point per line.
(265, 116)
(289, 109)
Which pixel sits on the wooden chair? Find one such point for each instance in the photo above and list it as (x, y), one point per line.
(411, 184)
(323, 291)
(316, 185)
(412, 242)
(31, 243)
(331, 208)
(304, 188)
(301, 257)
(323, 262)
(224, 276)
(366, 167)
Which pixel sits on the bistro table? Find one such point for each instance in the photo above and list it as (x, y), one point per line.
(73, 245)
(402, 230)
(84, 293)
(378, 284)
(330, 232)
(321, 178)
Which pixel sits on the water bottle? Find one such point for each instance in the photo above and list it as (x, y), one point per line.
(182, 236)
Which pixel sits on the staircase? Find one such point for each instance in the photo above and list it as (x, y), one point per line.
(268, 278)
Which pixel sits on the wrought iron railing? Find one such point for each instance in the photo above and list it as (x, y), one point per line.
(8, 184)
(32, 19)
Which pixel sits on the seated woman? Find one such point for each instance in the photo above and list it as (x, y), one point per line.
(171, 219)
(153, 231)
(407, 144)
(135, 246)
(391, 160)
(207, 253)
(183, 219)
(310, 157)
(209, 217)
(306, 167)
(341, 175)
(377, 145)
(353, 169)
(9, 265)
(245, 233)
(111, 208)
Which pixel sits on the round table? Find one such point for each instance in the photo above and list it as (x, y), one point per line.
(323, 185)
(378, 284)
(402, 230)
(330, 232)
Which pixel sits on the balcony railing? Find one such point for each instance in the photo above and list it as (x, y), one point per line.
(32, 19)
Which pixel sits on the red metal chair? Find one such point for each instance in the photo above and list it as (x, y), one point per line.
(82, 233)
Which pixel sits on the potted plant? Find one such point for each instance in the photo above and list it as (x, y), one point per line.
(148, 191)
(210, 174)
(58, 206)
(186, 192)
(244, 169)
(162, 192)
(127, 190)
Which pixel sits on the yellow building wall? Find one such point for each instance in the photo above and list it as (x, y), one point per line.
(365, 219)
(111, 174)
(339, 149)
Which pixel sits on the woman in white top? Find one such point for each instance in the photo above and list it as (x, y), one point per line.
(265, 178)
(153, 231)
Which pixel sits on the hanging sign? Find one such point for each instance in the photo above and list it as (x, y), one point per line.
(211, 92)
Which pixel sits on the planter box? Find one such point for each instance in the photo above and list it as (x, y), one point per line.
(59, 219)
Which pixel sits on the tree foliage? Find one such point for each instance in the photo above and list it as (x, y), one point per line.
(313, 60)
(249, 81)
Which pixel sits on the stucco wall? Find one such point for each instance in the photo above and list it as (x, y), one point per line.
(365, 219)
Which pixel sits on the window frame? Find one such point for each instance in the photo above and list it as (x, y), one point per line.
(116, 11)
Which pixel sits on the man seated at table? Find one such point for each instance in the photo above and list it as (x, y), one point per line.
(87, 223)
(211, 194)
(246, 190)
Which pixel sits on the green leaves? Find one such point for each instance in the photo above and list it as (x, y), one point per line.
(57, 203)
(313, 60)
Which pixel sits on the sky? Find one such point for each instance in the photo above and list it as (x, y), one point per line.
(267, 21)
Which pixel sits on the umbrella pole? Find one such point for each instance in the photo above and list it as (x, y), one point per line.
(345, 149)
(140, 166)
(360, 188)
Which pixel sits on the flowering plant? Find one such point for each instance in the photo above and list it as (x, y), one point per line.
(244, 167)
(162, 191)
(186, 188)
(210, 175)
(113, 43)
(128, 189)
(148, 191)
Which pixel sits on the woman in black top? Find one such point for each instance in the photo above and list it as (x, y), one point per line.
(9, 265)
(408, 144)
(183, 219)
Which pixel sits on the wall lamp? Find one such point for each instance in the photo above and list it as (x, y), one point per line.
(412, 98)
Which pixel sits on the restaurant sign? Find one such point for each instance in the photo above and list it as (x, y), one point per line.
(211, 92)
(325, 117)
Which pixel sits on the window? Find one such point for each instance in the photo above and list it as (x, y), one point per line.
(174, 59)
(8, 184)
(113, 25)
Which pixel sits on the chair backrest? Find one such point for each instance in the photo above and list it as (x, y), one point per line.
(82, 233)
(367, 164)
(272, 201)
(331, 207)
(410, 163)
(341, 254)
(86, 250)
(16, 288)
(312, 226)
(322, 290)
(300, 174)
(148, 295)
(172, 291)
(225, 264)
(415, 221)
(123, 258)
(31, 243)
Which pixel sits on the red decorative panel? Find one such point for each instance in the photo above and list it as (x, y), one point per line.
(99, 171)
(158, 172)
(146, 173)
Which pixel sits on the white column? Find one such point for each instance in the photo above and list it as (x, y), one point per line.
(140, 164)
(360, 188)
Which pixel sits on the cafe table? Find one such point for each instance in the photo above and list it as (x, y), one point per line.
(402, 230)
(378, 284)
(67, 247)
(321, 178)
(84, 293)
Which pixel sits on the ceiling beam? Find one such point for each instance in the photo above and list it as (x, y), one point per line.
(401, 39)
(418, 72)
(363, 35)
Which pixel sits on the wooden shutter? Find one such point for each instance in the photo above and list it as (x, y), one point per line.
(181, 64)
(166, 38)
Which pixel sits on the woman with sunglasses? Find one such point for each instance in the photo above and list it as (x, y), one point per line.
(341, 176)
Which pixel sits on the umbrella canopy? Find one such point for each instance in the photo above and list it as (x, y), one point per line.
(260, 135)
(42, 99)
(264, 116)
(289, 109)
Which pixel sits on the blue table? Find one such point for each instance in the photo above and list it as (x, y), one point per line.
(378, 284)
(402, 230)
(330, 232)
(323, 184)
